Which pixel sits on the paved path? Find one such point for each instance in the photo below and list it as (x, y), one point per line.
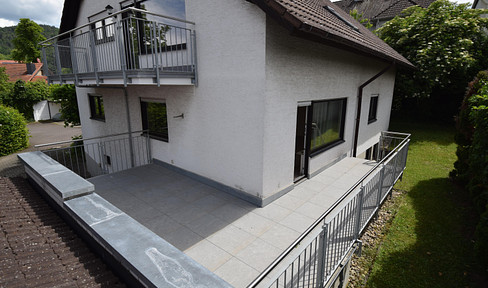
(40, 133)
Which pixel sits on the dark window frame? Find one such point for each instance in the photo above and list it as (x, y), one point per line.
(145, 123)
(103, 32)
(320, 149)
(97, 111)
(373, 108)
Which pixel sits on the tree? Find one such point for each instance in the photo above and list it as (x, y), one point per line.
(359, 17)
(27, 37)
(448, 45)
(66, 95)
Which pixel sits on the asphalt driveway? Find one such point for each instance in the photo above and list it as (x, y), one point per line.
(41, 133)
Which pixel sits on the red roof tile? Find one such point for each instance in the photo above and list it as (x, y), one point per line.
(18, 71)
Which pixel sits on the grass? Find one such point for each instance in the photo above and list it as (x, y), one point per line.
(429, 241)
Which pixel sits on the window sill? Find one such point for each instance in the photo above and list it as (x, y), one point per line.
(98, 119)
(372, 121)
(325, 148)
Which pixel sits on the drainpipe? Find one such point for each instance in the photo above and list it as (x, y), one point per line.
(360, 100)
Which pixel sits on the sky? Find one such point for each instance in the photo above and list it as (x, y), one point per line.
(46, 11)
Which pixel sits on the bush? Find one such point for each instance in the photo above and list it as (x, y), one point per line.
(471, 168)
(13, 131)
(66, 95)
(23, 95)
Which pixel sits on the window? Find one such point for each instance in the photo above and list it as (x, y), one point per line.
(155, 119)
(96, 107)
(104, 30)
(328, 119)
(373, 107)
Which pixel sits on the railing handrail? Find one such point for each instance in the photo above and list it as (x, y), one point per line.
(283, 255)
(86, 139)
(112, 15)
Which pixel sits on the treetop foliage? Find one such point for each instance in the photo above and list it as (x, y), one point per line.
(7, 34)
(446, 42)
(27, 37)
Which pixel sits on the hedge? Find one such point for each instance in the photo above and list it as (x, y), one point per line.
(13, 131)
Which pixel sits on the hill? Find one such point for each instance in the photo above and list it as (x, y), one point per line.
(8, 33)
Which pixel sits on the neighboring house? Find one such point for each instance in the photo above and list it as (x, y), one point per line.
(380, 11)
(23, 71)
(480, 4)
(273, 99)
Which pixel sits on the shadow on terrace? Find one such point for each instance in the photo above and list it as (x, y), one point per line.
(302, 237)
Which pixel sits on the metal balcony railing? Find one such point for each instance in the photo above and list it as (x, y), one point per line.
(314, 259)
(90, 157)
(125, 45)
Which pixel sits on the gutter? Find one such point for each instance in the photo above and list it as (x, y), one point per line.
(360, 100)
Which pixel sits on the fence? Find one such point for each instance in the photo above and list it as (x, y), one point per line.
(313, 259)
(91, 157)
(124, 43)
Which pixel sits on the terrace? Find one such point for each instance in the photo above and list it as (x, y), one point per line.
(132, 46)
(303, 239)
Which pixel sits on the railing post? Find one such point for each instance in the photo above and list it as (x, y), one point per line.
(119, 36)
(94, 54)
(155, 52)
(380, 148)
(194, 52)
(380, 188)
(45, 67)
(148, 144)
(357, 227)
(321, 256)
(58, 61)
(74, 63)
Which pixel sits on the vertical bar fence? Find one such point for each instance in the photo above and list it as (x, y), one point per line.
(315, 257)
(92, 157)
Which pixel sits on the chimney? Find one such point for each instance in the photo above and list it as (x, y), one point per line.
(31, 67)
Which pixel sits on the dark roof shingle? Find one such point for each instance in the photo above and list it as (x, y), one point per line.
(312, 19)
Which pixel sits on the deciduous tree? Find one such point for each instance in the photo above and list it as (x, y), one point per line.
(27, 37)
(447, 43)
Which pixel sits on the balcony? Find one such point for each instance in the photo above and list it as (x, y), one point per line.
(303, 239)
(124, 48)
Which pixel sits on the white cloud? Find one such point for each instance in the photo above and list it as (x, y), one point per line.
(6, 23)
(40, 11)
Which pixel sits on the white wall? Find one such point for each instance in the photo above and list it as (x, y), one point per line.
(239, 122)
(46, 110)
(300, 70)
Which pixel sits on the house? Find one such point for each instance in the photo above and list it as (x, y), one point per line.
(378, 11)
(262, 96)
(253, 98)
(27, 72)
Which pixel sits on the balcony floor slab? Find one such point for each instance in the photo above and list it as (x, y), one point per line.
(223, 233)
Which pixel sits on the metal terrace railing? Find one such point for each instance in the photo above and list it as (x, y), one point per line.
(318, 255)
(129, 44)
(90, 157)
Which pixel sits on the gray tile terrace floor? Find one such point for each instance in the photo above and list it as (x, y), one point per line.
(231, 237)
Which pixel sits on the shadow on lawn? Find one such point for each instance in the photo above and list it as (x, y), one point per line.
(441, 254)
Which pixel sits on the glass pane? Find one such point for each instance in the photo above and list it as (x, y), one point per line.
(326, 123)
(157, 121)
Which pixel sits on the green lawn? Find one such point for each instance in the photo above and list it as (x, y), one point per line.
(429, 242)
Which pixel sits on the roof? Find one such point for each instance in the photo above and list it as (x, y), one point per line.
(322, 21)
(380, 9)
(19, 71)
(38, 249)
(306, 18)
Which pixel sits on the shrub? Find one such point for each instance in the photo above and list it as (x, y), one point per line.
(471, 168)
(66, 95)
(13, 131)
(23, 95)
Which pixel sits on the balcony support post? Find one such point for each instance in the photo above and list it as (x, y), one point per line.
(45, 67)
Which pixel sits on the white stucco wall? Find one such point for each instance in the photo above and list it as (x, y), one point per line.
(300, 70)
(240, 121)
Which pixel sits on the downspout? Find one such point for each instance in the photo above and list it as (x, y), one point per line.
(360, 100)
